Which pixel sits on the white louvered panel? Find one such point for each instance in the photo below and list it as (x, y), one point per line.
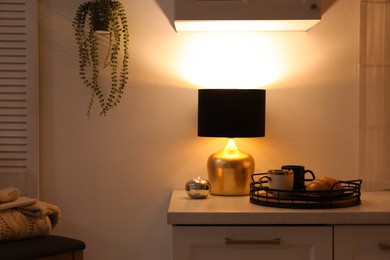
(12, 45)
(11, 53)
(12, 23)
(17, 120)
(16, 66)
(12, 29)
(12, 82)
(18, 84)
(19, 142)
(13, 162)
(13, 105)
(12, 13)
(13, 96)
(12, 74)
(13, 38)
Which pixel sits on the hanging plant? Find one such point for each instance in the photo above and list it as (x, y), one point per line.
(93, 18)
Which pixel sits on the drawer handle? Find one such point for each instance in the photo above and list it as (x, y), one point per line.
(230, 241)
(383, 246)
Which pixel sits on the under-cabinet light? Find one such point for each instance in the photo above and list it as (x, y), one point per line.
(244, 25)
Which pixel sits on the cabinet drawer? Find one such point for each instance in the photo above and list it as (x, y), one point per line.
(362, 242)
(252, 242)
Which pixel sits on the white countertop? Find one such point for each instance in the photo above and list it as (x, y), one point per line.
(237, 210)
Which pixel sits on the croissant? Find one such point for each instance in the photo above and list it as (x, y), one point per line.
(324, 183)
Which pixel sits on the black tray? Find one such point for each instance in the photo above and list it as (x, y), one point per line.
(348, 196)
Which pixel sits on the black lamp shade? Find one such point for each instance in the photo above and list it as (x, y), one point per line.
(231, 112)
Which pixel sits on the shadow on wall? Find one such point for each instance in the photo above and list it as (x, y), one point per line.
(169, 10)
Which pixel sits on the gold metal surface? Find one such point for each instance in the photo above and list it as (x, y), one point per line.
(198, 188)
(230, 171)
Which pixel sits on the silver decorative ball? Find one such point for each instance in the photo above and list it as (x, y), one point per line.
(198, 188)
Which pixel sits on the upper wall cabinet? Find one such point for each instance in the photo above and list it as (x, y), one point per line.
(246, 15)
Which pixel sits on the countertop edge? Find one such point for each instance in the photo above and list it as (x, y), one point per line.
(234, 218)
(223, 211)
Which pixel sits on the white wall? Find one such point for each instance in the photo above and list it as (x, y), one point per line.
(112, 177)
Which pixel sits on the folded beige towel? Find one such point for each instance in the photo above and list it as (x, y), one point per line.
(14, 225)
(41, 209)
(9, 194)
(19, 202)
(29, 221)
(22, 217)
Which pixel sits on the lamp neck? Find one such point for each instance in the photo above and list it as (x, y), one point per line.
(231, 145)
(231, 152)
(231, 148)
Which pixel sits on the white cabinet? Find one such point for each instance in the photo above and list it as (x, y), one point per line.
(230, 227)
(252, 242)
(363, 242)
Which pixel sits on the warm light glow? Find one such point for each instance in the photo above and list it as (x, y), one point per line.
(229, 60)
(231, 150)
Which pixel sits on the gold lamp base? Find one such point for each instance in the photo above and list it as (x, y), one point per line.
(230, 171)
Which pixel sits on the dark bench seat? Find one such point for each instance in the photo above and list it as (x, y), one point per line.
(46, 248)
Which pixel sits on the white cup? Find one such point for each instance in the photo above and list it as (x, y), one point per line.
(280, 179)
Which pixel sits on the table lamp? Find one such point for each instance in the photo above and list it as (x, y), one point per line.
(231, 113)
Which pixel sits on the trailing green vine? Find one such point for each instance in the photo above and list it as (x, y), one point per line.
(111, 14)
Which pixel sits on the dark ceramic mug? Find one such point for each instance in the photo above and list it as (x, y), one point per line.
(299, 175)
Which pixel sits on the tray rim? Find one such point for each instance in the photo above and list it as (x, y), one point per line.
(349, 196)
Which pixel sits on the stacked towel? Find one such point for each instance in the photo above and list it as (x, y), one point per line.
(22, 217)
